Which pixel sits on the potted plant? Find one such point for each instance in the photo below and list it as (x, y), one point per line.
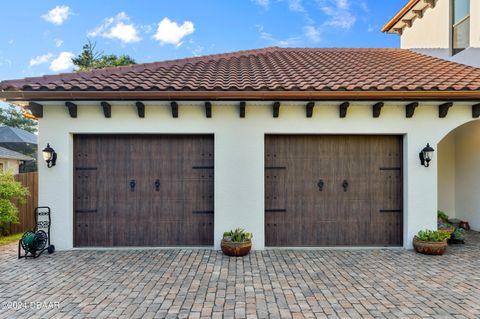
(443, 224)
(458, 236)
(236, 242)
(431, 242)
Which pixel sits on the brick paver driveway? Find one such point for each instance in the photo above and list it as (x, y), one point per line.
(275, 283)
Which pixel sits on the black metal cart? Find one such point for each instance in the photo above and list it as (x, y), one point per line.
(35, 242)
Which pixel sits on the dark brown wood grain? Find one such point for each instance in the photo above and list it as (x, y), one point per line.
(108, 212)
(368, 213)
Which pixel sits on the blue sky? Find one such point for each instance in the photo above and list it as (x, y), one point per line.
(40, 37)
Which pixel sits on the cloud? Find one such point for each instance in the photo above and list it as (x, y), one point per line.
(41, 59)
(58, 43)
(262, 3)
(312, 33)
(169, 32)
(338, 12)
(264, 35)
(62, 62)
(10, 42)
(296, 5)
(58, 15)
(118, 27)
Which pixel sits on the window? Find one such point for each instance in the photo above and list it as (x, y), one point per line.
(460, 25)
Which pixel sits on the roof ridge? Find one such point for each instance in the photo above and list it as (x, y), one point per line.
(142, 66)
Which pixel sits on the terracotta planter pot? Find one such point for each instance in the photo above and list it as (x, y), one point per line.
(430, 248)
(236, 249)
(448, 230)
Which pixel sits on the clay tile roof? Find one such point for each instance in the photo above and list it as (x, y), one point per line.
(272, 69)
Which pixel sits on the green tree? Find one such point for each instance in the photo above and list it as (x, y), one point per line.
(90, 59)
(10, 191)
(13, 116)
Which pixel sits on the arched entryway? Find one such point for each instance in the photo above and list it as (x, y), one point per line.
(459, 173)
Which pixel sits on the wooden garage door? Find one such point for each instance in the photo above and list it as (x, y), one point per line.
(333, 190)
(143, 190)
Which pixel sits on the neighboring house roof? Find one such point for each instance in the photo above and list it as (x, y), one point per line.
(262, 73)
(9, 154)
(16, 135)
(407, 14)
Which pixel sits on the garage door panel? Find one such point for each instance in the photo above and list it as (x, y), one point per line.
(148, 214)
(355, 189)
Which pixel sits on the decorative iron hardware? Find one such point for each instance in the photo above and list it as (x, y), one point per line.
(85, 168)
(345, 185)
(390, 210)
(203, 212)
(275, 210)
(390, 168)
(132, 185)
(320, 185)
(202, 167)
(85, 210)
(157, 185)
(275, 167)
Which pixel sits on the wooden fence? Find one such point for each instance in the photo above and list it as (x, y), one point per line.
(26, 210)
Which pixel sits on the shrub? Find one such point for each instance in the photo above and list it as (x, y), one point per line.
(238, 235)
(433, 235)
(459, 234)
(442, 216)
(10, 190)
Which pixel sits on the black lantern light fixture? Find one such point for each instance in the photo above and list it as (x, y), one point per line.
(426, 155)
(49, 156)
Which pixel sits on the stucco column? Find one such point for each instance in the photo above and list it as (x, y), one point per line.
(239, 186)
(420, 188)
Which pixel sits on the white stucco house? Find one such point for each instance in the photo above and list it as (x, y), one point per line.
(10, 161)
(301, 147)
(449, 30)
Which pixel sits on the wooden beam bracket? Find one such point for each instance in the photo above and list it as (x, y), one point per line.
(443, 109)
(72, 109)
(430, 3)
(377, 109)
(476, 110)
(399, 31)
(418, 13)
(408, 22)
(107, 109)
(309, 109)
(140, 109)
(36, 109)
(276, 109)
(343, 109)
(174, 106)
(410, 109)
(242, 109)
(208, 109)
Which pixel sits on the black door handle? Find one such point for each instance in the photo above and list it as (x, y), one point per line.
(320, 185)
(132, 185)
(345, 185)
(157, 185)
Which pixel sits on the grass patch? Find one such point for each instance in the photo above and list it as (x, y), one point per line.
(10, 239)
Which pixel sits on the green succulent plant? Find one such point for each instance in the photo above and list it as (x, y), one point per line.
(238, 235)
(459, 234)
(442, 216)
(433, 235)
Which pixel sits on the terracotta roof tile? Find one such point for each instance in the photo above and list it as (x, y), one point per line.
(287, 69)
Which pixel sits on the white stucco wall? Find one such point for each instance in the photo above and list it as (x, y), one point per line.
(431, 31)
(239, 152)
(467, 171)
(446, 174)
(11, 165)
(431, 34)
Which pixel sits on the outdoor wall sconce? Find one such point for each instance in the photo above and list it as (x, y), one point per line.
(426, 155)
(49, 156)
